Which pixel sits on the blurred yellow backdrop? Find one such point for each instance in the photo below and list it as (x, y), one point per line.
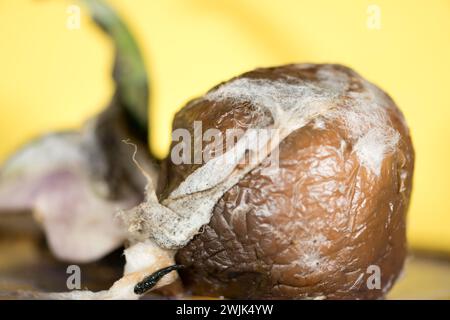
(52, 77)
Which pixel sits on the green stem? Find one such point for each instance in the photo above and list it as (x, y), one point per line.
(130, 76)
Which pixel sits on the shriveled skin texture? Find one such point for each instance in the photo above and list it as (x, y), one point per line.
(312, 226)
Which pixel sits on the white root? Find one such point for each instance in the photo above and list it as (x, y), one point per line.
(142, 260)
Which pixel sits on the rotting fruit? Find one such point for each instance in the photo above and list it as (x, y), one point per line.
(334, 206)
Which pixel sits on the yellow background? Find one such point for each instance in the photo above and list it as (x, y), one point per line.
(54, 78)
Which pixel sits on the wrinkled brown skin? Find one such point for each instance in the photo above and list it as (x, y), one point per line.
(264, 228)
